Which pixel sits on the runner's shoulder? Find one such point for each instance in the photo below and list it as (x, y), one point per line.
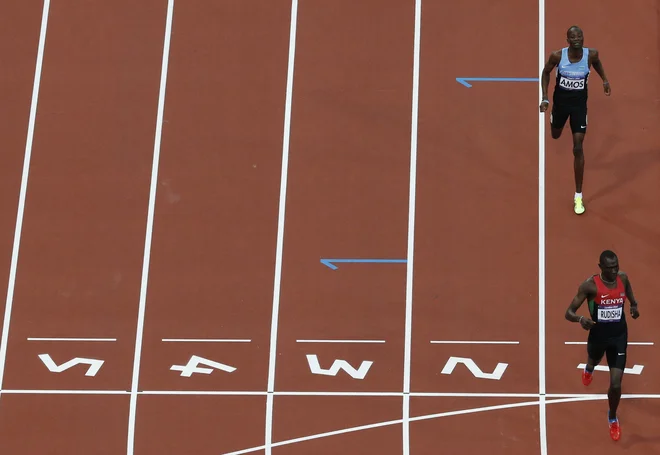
(623, 276)
(555, 56)
(588, 286)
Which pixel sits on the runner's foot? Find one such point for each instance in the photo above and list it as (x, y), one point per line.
(615, 428)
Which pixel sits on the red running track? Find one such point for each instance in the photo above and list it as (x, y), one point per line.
(236, 278)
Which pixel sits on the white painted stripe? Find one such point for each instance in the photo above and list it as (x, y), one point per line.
(137, 355)
(412, 419)
(206, 340)
(285, 393)
(630, 343)
(345, 394)
(23, 192)
(543, 430)
(72, 339)
(585, 396)
(65, 392)
(412, 394)
(236, 393)
(603, 396)
(410, 263)
(473, 342)
(340, 341)
(281, 217)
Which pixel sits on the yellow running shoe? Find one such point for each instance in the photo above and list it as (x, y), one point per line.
(578, 207)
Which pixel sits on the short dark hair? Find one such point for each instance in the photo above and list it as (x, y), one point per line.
(573, 27)
(607, 254)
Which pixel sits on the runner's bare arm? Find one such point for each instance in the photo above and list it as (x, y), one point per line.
(629, 293)
(553, 60)
(598, 67)
(586, 290)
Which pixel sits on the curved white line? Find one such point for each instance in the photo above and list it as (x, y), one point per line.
(414, 419)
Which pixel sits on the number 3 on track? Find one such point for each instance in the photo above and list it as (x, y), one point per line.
(338, 364)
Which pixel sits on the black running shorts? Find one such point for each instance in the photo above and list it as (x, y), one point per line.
(561, 113)
(615, 349)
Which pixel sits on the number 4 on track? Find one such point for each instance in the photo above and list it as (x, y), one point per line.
(191, 367)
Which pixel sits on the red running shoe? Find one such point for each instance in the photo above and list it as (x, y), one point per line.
(615, 429)
(586, 377)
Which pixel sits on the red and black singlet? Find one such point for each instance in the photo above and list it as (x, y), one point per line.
(607, 308)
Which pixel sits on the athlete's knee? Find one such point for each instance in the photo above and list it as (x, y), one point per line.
(577, 146)
(615, 380)
(577, 151)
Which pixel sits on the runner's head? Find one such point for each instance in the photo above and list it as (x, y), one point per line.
(574, 37)
(609, 265)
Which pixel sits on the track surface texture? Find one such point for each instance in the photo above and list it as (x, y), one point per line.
(287, 227)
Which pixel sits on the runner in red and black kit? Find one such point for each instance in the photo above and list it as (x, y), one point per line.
(606, 294)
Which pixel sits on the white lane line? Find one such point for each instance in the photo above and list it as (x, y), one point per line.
(410, 265)
(412, 394)
(272, 358)
(21, 198)
(415, 419)
(238, 393)
(64, 392)
(630, 343)
(72, 339)
(205, 340)
(340, 341)
(473, 342)
(543, 434)
(235, 393)
(149, 230)
(378, 425)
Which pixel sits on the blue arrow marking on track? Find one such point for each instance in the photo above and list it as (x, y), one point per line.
(464, 80)
(331, 262)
